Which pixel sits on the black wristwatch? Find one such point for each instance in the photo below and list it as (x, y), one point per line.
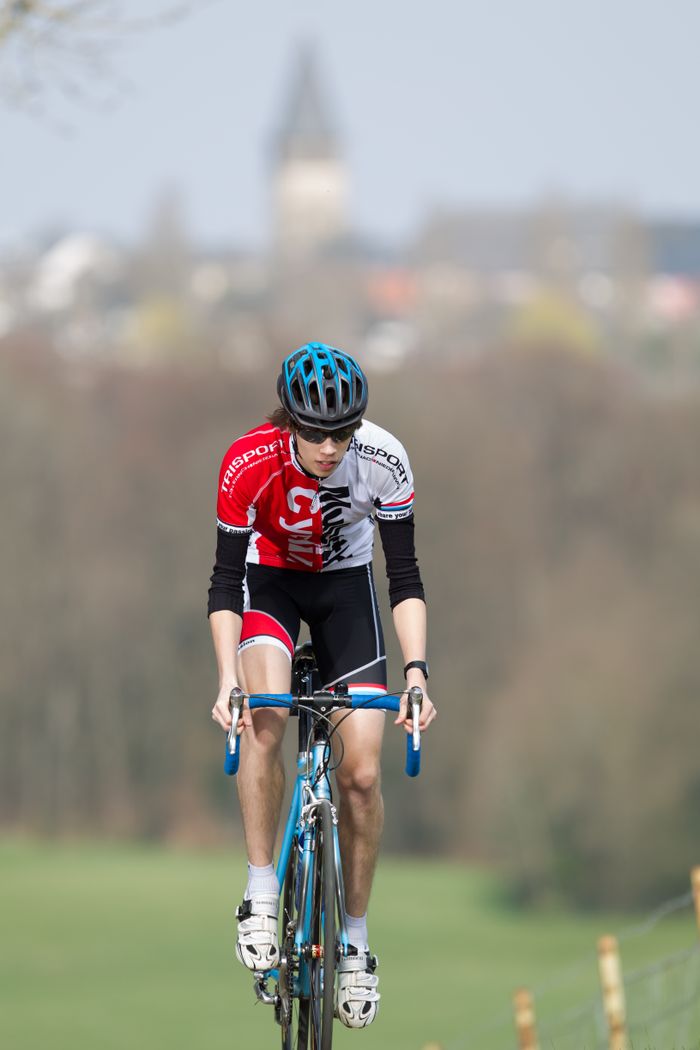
(420, 664)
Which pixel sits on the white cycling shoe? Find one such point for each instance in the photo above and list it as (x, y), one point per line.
(357, 998)
(257, 944)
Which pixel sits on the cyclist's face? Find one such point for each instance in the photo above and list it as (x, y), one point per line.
(321, 458)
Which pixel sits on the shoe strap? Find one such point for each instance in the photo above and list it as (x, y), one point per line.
(261, 904)
(357, 963)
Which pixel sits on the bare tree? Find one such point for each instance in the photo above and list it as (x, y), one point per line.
(68, 47)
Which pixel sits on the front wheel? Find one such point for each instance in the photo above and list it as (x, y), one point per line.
(293, 1009)
(322, 930)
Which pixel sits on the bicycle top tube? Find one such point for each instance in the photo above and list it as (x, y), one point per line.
(322, 702)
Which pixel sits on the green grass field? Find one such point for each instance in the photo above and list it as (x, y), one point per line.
(114, 946)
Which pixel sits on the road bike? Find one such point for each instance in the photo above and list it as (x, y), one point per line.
(312, 935)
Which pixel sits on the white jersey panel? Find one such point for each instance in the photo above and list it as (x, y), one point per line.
(374, 477)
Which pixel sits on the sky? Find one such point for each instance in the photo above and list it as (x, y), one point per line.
(449, 103)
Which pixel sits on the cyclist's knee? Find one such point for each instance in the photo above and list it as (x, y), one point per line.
(267, 732)
(362, 779)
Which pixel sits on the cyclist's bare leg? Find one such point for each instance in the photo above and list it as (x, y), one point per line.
(361, 813)
(360, 822)
(265, 669)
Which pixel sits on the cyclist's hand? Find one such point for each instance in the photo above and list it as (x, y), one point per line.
(221, 711)
(427, 713)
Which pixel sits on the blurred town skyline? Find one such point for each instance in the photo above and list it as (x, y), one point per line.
(593, 275)
(473, 107)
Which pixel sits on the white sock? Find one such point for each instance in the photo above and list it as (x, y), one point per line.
(357, 931)
(261, 880)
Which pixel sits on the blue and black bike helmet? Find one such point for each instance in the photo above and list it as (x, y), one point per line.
(322, 387)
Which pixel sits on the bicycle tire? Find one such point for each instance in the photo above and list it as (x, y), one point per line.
(294, 1010)
(322, 970)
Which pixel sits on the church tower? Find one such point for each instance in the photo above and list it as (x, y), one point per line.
(310, 180)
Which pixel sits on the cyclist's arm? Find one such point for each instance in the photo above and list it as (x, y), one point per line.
(226, 590)
(402, 568)
(406, 593)
(410, 621)
(225, 614)
(407, 598)
(226, 634)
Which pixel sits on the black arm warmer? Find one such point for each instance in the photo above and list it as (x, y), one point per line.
(401, 564)
(226, 591)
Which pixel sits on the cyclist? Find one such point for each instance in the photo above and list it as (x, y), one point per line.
(297, 501)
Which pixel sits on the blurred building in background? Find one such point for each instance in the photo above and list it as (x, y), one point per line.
(309, 176)
(597, 276)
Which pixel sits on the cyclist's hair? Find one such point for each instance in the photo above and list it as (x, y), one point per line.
(282, 419)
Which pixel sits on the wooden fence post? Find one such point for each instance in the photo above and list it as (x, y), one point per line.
(610, 970)
(525, 1025)
(695, 882)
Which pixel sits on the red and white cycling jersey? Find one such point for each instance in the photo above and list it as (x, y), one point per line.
(297, 521)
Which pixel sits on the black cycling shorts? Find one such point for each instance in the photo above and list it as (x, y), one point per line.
(340, 609)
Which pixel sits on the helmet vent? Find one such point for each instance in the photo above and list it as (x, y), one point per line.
(296, 390)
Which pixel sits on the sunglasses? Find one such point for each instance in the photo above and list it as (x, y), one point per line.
(317, 437)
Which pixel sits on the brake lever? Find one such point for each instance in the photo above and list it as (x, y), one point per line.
(235, 700)
(415, 698)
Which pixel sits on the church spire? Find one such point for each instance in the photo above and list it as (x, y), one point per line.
(306, 132)
(309, 177)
